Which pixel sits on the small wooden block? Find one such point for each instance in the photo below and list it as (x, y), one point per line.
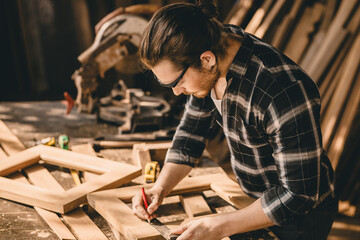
(195, 205)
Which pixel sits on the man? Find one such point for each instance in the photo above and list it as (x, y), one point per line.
(269, 110)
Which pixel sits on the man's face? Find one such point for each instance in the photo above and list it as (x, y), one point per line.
(197, 82)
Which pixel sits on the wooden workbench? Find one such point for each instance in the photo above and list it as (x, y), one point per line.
(32, 121)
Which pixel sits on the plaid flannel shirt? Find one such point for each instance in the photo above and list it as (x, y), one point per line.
(270, 117)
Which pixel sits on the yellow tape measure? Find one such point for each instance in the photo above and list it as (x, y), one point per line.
(152, 170)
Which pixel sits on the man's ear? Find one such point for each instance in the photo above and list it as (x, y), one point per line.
(208, 60)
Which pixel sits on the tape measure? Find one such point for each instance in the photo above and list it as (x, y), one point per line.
(48, 141)
(152, 170)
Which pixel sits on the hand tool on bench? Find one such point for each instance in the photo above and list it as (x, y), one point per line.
(159, 226)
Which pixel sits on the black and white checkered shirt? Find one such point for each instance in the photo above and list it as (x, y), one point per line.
(270, 117)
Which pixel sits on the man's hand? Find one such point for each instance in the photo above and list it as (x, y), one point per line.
(208, 228)
(154, 198)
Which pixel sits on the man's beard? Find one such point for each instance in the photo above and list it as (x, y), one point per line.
(208, 84)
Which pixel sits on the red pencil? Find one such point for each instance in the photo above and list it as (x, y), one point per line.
(144, 199)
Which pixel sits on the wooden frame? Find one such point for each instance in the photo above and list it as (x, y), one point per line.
(113, 174)
(142, 155)
(111, 204)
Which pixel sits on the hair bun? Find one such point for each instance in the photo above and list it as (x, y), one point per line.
(208, 7)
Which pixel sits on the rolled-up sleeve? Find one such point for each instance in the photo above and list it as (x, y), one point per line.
(192, 133)
(294, 133)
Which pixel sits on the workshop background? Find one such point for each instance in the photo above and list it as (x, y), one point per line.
(42, 39)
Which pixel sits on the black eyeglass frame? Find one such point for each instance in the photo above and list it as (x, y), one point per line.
(173, 83)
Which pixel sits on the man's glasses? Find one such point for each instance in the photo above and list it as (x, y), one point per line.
(173, 83)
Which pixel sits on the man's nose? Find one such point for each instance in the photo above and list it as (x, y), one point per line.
(178, 90)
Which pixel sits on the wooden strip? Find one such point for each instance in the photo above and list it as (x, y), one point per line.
(121, 144)
(10, 143)
(118, 214)
(110, 204)
(64, 202)
(50, 218)
(79, 222)
(285, 27)
(30, 195)
(264, 27)
(231, 192)
(195, 205)
(240, 14)
(340, 93)
(319, 37)
(77, 195)
(258, 17)
(332, 41)
(342, 134)
(88, 150)
(76, 161)
(141, 156)
(18, 161)
(188, 184)
(300, 38)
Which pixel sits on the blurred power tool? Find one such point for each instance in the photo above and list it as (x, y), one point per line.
(132, 109)
(116, 46)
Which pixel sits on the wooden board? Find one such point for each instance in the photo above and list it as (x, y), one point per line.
(51, 218)
(115, 175)
(332, 41)
(285, 27)
(195, 205)
(300, 38)
(141, 152)
(258, 17)
(338, 144)
(111, 204)
(268, 21)
(339, 97)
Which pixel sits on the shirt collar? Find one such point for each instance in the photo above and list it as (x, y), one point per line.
(239, 65)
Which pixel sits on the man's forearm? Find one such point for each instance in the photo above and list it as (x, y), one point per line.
(170, 175)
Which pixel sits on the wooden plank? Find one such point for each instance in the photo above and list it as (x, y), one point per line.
(285, 27)
(18, 161)
(141, 152)
(77, 195)
(300, 38)
(264, 27)
(337, 146)
(30, 195)
(79, 222)
(77, 161)
(111, 204)
(64, 202)
(239, 16)
(319, 37)
(88, 150)
(122, 218)
(229, 191)
(195, 205)
(9, 142)
(338, 99)
(332, 41)
(50, 218)
(258, 17)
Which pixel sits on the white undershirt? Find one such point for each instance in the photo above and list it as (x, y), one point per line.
(216, 101)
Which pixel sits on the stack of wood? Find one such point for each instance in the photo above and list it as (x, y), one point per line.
(323, 38)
